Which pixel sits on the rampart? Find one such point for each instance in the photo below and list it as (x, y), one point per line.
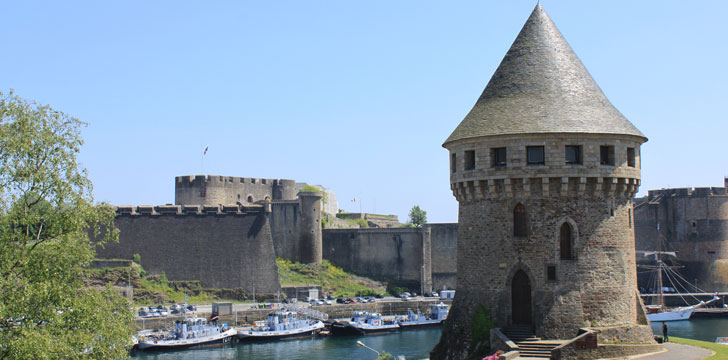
(226, 246)
(407, 254)
(216, 189)
(694, 223)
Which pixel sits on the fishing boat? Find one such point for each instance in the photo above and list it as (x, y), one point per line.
(363, 323)
(282, 324)
(436, 316)
(188, 333)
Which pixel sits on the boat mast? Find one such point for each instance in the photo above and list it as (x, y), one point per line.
(658, 258)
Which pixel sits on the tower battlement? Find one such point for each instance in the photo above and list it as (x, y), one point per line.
(230, 190)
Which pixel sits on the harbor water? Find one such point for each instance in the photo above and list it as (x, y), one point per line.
(413, 344)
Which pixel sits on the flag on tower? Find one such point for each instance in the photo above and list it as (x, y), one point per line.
(205, 152)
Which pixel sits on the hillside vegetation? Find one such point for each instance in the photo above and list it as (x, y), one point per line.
(332, 279)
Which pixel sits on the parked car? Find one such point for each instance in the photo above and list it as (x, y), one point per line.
(191, 308)
(379, 296)
(340, 301)
(404, 295)
(435, 294)
(369, 299)
(328, 302)
(175, 307)
(142, 312)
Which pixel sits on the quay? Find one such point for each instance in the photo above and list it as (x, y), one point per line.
(246, 313)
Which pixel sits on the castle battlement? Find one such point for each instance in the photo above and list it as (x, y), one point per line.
(544, 187)
(219, 179)
(688, 192)
(182, 210)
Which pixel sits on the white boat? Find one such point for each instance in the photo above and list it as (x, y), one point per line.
(282, 324)
(437, 315)
(659, 312)
(188, 333)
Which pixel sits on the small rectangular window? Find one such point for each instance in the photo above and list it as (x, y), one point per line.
(534, 155)
(573, 154)
(551, 272)
(498, 156)
(469, 159)
(630, 157)
(453, 163)
(606, 155)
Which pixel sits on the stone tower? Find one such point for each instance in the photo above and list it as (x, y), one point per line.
(310, 232)
(544, 169)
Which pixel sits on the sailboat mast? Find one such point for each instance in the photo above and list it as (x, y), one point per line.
(658, 257)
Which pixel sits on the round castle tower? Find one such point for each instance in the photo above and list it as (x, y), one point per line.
(544, 169)
(310, 232)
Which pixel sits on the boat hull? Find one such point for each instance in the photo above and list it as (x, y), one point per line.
(262, 336)
(217, 340)
(420, 324)
(345, 329)
(671, 315)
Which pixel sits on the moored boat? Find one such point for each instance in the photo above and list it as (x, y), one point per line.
(188, 333)
(436, 316)
(282, 324)
(363, 323)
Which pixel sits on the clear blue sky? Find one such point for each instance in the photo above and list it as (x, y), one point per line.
(356, 96)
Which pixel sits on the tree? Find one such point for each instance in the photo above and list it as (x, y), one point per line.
(47, 217)
(417, 216)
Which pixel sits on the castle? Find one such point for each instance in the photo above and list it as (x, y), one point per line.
(694, 224)
(545, 169)
(227, 231)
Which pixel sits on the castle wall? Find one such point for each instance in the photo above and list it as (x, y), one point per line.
(444, 255)
(693, 222)
(397, 253)
(223, 247)
(229, 190)
(285, 224)
(392, 253)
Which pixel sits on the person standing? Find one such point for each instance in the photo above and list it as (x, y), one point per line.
(664, 333)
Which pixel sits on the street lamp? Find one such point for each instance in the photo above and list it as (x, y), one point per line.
(362, 344)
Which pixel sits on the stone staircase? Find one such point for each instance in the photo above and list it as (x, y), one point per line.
(531, 347)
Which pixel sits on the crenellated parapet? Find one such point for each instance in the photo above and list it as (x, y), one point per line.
(544, 187)
(184, 210)
(687, 192)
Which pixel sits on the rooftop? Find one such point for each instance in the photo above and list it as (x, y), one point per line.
(541, 86)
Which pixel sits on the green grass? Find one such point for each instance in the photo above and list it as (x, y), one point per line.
(332, 279)
(721, 351)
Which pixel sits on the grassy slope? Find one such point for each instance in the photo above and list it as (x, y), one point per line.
(721, 351)
(332, 279)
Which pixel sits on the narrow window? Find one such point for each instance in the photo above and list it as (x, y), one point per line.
(573, 154)
(629, 215)
(499, 157)
(453, 163)
(565, 242)
(519, 220)
(469, 159)
(630, 157)
(534, 155)
(606, 155)
(250, 198)
(551, 272)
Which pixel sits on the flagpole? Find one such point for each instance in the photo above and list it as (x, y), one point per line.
(202, 159)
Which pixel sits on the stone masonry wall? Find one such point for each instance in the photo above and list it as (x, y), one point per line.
(228, 247)
(230, 190)
(444, 255)
(392, 253)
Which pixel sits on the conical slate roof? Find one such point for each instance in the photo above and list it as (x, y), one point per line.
(541, 86)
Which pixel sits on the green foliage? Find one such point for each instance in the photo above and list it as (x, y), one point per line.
(417, 216)
(482, 323)
(137, 259)
(46, 216)
(331, 278)
(385, 356)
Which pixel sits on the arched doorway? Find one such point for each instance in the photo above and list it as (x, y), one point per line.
(521, 298)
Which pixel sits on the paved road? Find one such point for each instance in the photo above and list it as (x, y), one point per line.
(678, 352)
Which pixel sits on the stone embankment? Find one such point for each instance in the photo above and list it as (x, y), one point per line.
(338, 311)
